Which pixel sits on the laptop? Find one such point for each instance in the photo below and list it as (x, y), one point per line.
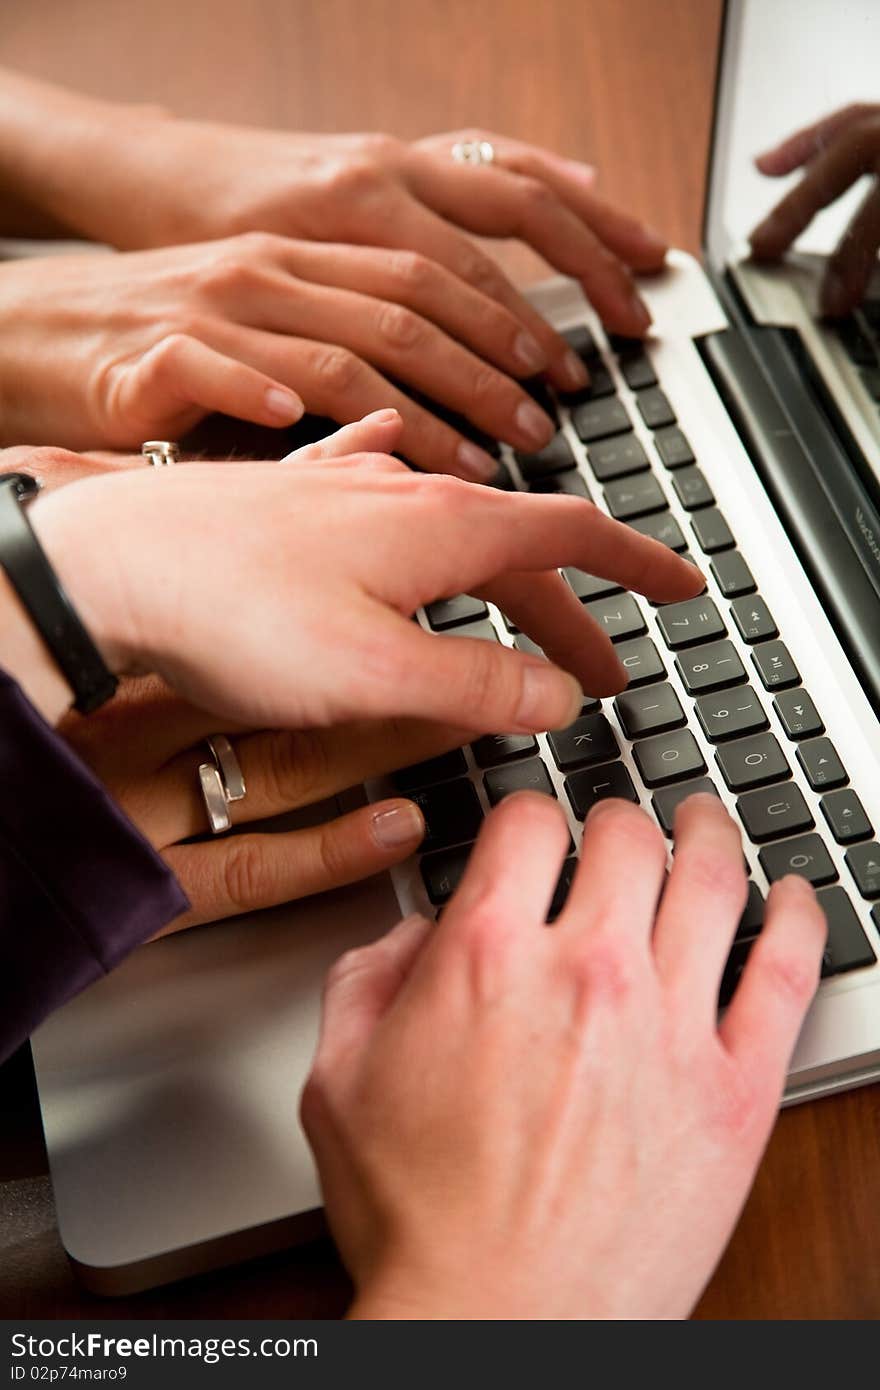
(746, 433)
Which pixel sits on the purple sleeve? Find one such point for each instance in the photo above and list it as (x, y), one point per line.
(79, 886)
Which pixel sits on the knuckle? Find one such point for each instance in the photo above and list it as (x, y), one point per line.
(247, 872)
(485, 384)
(713, 869)
(256, 246)
(295, 765)
(480, 271)
(349, 964)
(336, 369)
(791, 977)
(604, 969)
(411, 270)
(400, 328)
(537, 198)
(357, 179)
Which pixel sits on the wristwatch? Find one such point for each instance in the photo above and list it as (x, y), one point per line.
(40, 590)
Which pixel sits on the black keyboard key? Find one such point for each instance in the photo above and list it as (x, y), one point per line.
(503, 480)
(449, 612)
(636, 367)
(588, 740)
(711, 530)
(695, 620)
(847, 947)
(673, 447)
(863, 862)
(871, 380)
(432, 770)
(614, 458)
(818, 757)
(569, 484)
(641, 661)
(601, 384)
(655, 409)
(736, 964)
(667, 800)
(775, 666)
(691, 489)
(710, 668)
(600, 419)
(753, 618)
(594, 784)
(732, 574)
(555, 457)
(773, 812)
(731, 714)
(668, 758)
(502, 748)
(561, 891)
(752, 762)
(846, 816)
(662, 527)
(650, 710)
(634, 496)
(530, 775)
(541, 395)
(452, 812)
(805, 855)
(875, 916)
(589, 586)
(443, 871)
(581, 341)
(798, 715)
(752, 919)
(619, 616)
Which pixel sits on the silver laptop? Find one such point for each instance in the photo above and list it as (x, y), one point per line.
(746, 433)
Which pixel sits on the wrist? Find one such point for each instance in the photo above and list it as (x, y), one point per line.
(27, 658)
(59, 152)
(74, 539)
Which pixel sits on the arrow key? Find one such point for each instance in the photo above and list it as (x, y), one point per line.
(846, 816)
(818, 757)
(863, 863)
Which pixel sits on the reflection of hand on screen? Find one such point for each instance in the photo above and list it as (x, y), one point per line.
(834, 153)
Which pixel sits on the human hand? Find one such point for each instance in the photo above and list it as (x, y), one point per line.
(279, 595)
(110, 350)
(835, 152)
(146, 747)
(85, 165)
(519, 1121)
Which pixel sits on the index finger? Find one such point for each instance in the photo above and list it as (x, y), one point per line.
(487, 534)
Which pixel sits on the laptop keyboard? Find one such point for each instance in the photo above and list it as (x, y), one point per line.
(693, 666)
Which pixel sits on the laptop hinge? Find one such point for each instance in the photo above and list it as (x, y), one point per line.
(836, 536)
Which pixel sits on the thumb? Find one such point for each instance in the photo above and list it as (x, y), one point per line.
(476, 684)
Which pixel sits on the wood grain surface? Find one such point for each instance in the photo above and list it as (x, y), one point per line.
(627, 86)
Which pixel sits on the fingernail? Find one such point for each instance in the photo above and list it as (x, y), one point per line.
(835, 295)
(383, 417)
(574, 371)
(400, 825)
(287, 406)
(476, 462)
(535, 427)
(543, 703)
(529, 352)
(585, 172)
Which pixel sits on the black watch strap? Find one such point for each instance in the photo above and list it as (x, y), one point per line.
(41, 592)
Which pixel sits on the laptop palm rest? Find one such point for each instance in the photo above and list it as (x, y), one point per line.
(169, 1092)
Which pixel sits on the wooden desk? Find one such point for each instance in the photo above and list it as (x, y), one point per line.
(628, 86)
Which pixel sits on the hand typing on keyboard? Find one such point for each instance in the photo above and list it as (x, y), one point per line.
(328, 270)
(287, 589)
(513, 1120)
(834, 152)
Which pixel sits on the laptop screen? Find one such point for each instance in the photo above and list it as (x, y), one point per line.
(785, 65)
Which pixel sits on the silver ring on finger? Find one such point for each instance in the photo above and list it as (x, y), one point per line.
(473, 152)
(160, 453)
(221, 782)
